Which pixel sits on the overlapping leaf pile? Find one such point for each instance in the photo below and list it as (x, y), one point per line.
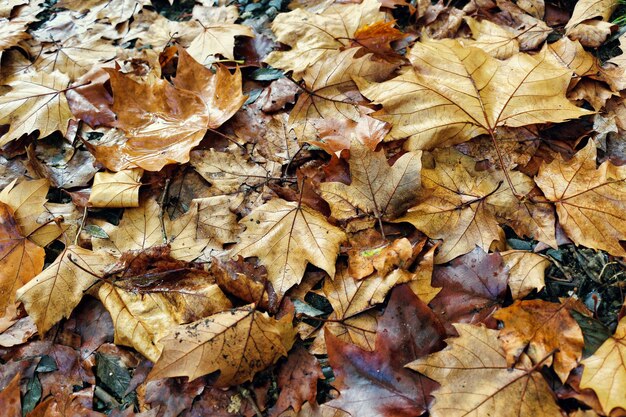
(216, 215)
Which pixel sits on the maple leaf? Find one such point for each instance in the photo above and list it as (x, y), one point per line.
(12, 32)
(377, 382)
(589, 201)
(217, 38)
(537, 328)
(376, 188)
(452, 93)
(331, 93)
(36, 101)
(238, 343)
(476, 379)
(310, 35)
(605, 371)
(20, 259)
(498, 41)
(526, 272)
(285, 236)
(120, 189)
(53, 294)
(463, 206)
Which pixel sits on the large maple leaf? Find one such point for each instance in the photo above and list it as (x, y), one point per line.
(452, 93)
(285, 236)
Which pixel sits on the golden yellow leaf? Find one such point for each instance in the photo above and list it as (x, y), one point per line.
(53, 294)
(572, 55)
(310, 35)
(526, 271)
(28, 199)
(184, 237)
(605, 371)
(453, 93)
(376, 188)
(36, 101)
(589, 9)
(590, 202)
(217, 38)
(238, 343)
(331, 92)
(476, 379)
(20, 259)
(498, 41)
(120, 189)
(285, 236)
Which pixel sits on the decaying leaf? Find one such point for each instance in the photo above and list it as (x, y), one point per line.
(238, 343)
(120, 189)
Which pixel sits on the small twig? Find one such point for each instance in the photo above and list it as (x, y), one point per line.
(245, 393)
(107, 398)
(82, 224)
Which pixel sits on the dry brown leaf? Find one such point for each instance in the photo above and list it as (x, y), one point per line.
(453, 93)
(376, 188)
(605, 371)
(238, 343)
(216, 221)
(20, 259)
(498, 41)
(594, 92)
(539, 328)
(476, 379)
(10, 398)
(217, 38)
(589, 201)
(120, 189)
(285, 236)
(589, 9)
(12, 32)
(572, 55)
(310, 35)
(591, 34)
(526, 272)
(377, 39)
(36, 101)
(53, 294)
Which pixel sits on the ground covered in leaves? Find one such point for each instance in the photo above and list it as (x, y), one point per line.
(312, 208)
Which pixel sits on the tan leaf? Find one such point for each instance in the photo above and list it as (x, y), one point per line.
(280, 143)
(538, 328)
(217, 38)
(28, 199)
(591, 34)
(572, 55)
(311, 35)
(216, 221)
(453, 93)
(120, 189)
(285, 236)
(526, 272)
(376, 188)
(238, 343)
(36, 101)
(184, 237)
(12, 32)
(20, 259)
(420, 281)
(476, 379)
(594, 92)
(605, 371)
(498, 41)
(589, 201)
(53, 294)
(331, 92)
(589, 9)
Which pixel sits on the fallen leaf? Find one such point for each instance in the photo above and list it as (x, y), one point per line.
(589, 9)
(539, 328)
(451, 94)
(476, 379)
(10, 398)
(120, 189)
(377, 39)
(285, 236)
(526, 272)
(589, 200)
(498, 41)
(217, 38)
(238, 343)
(605, 371)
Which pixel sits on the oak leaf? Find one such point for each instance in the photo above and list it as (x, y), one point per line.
(20, 259)
(238, 343)
(376, 188)
(589, 201)
(605, 371)
(452, 93)
(476, 379)
(53, 294)
(537, 328)
(285, 236)
(35, 101)
(120, 189)
(310, 35)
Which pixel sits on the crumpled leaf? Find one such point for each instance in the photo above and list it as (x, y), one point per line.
(310, 35)
(589, 9)
(453, 93)
(605, 371)
(238, 343)
(526, 272)
(476, 379)
(53, 294)
(589, 201)
(36, 101)
(537, 328)
(120, 189)
(376, 188)
(12, 32)
(20, 259)
(285, 236)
